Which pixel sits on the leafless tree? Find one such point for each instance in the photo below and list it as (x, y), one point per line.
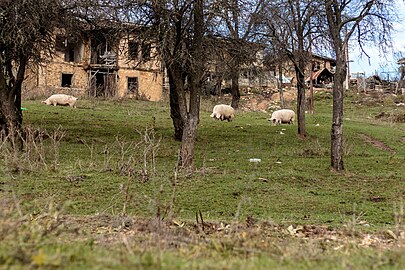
(178, 30)
(276, 56)
(365, 21)
(26, 37)
(289, 29)
(235, 21)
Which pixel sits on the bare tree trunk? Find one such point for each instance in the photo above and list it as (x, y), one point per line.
(280, 84)
(3, 102)
(235, 87)
(188, 142)
(299, 60)
(236, 65)
(301, 101)
(11, 119)
(190, 124)
(311, 83)
(337, 117)
(10, 104)
(195, 76)
(175, 113)
(334, 17)
(311, 94)
(10, 116)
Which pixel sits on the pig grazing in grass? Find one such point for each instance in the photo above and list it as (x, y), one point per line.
(282, 116)
(61, 100)
(223, 112)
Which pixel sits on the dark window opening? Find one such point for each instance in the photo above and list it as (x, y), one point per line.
(133, 48)
(133, 85)
(67, 80)
(146, 49)
(60, 43)
(70, 47)
(100, 80)
(70, 55)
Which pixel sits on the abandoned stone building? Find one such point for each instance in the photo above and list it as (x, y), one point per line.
(108, 63)
(96, 64)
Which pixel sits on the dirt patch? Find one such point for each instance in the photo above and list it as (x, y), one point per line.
(255, 103)
(270, 100)
(265, 103)
(194, 238)
(109, 230)
(377, 199)
(376, 143)
(288, 96)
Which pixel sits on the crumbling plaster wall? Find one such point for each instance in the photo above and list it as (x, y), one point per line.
(150, 77)
(150, 83)
(46, 79)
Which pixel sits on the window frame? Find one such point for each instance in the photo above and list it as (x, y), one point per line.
(64, 79)
(136, 89)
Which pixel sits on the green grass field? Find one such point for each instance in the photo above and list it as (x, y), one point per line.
(98, 188)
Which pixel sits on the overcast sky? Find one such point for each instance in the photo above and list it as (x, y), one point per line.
(378, 62)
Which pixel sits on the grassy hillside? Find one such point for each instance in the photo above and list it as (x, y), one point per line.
(117, 159)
